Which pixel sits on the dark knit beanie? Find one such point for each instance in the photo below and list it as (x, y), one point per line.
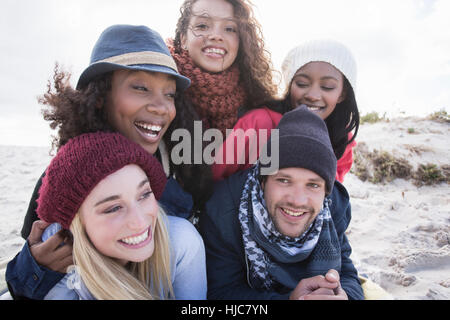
(304, 143)
(81, 164)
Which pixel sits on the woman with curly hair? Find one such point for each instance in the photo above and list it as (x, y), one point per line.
(132, 86)
(218, 44)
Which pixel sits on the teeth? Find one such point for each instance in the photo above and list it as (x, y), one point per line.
(136, 240)
(314, 108)
(147, 126)
(215, 50)
(293, 213)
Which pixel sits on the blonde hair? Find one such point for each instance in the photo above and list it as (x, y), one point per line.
(108, 280)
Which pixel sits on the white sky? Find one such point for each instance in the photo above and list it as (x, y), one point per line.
(402, 48)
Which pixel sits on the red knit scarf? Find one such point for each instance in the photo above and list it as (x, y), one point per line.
(215, 96)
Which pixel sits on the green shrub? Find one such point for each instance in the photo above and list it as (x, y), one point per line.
(429, 174)
(440, 116)
(372, 117)
(388, 168)
(383, 167)
(379, 166)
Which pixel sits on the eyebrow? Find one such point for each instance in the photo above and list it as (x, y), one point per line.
(281, 175)
(116, 197)
(143, 182)
(323, 78)
(316, 180)
(285, 175)
(205, 15)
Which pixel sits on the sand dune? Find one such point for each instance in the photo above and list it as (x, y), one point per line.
(400, 233)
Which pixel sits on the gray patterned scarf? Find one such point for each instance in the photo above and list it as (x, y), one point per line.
(261, 238)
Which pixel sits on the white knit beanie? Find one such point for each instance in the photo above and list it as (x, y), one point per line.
(333, 52)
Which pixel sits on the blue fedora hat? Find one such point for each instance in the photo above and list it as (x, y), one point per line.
(132, 48)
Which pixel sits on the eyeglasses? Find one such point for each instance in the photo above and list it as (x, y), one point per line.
(205, 26)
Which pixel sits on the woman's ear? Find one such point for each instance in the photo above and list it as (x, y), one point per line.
(183, 42)
(343, 95)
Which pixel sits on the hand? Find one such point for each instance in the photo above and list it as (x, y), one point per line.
(326, 294)
(320, 287)
(50, 253)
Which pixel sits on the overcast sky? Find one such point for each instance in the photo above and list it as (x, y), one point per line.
(402, 48)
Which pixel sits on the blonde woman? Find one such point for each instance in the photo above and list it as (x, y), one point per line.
(104, 189)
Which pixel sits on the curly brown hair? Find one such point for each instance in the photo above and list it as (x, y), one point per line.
(253, 60)
(73, 112)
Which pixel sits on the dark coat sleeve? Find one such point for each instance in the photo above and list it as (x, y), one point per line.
(26, 279)
(225, 258)
(349, 275)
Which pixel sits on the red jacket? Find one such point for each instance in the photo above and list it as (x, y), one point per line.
(243, 150)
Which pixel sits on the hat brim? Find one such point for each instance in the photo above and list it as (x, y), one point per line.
(97, 69)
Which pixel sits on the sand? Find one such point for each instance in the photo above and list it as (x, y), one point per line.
(400, 233)
(20, 168)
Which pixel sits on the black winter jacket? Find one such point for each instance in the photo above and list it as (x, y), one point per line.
(227, 266)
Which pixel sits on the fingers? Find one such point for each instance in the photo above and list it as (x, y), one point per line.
(56, 252)
(326, 294)
(308, 285)
(332, 276)
(323, 291)
(320, 287)
(55, 240)
(37, 229)
(339, 291)
(52, 255)
(57, 260)
(323, 297)
(62, 264)
(323, 282)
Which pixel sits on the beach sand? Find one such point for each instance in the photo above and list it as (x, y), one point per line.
(400, 233)
(20, 169)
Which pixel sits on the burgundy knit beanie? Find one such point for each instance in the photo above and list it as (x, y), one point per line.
(81, 164)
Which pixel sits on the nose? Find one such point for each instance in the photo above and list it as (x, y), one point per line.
(298, 197)
(136, 218)
(313, 94)
(157, 104)
(216, 33)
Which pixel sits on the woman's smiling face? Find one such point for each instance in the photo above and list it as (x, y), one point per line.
(120, 214)
(212, 38)
(141, 106)
(319, 86)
